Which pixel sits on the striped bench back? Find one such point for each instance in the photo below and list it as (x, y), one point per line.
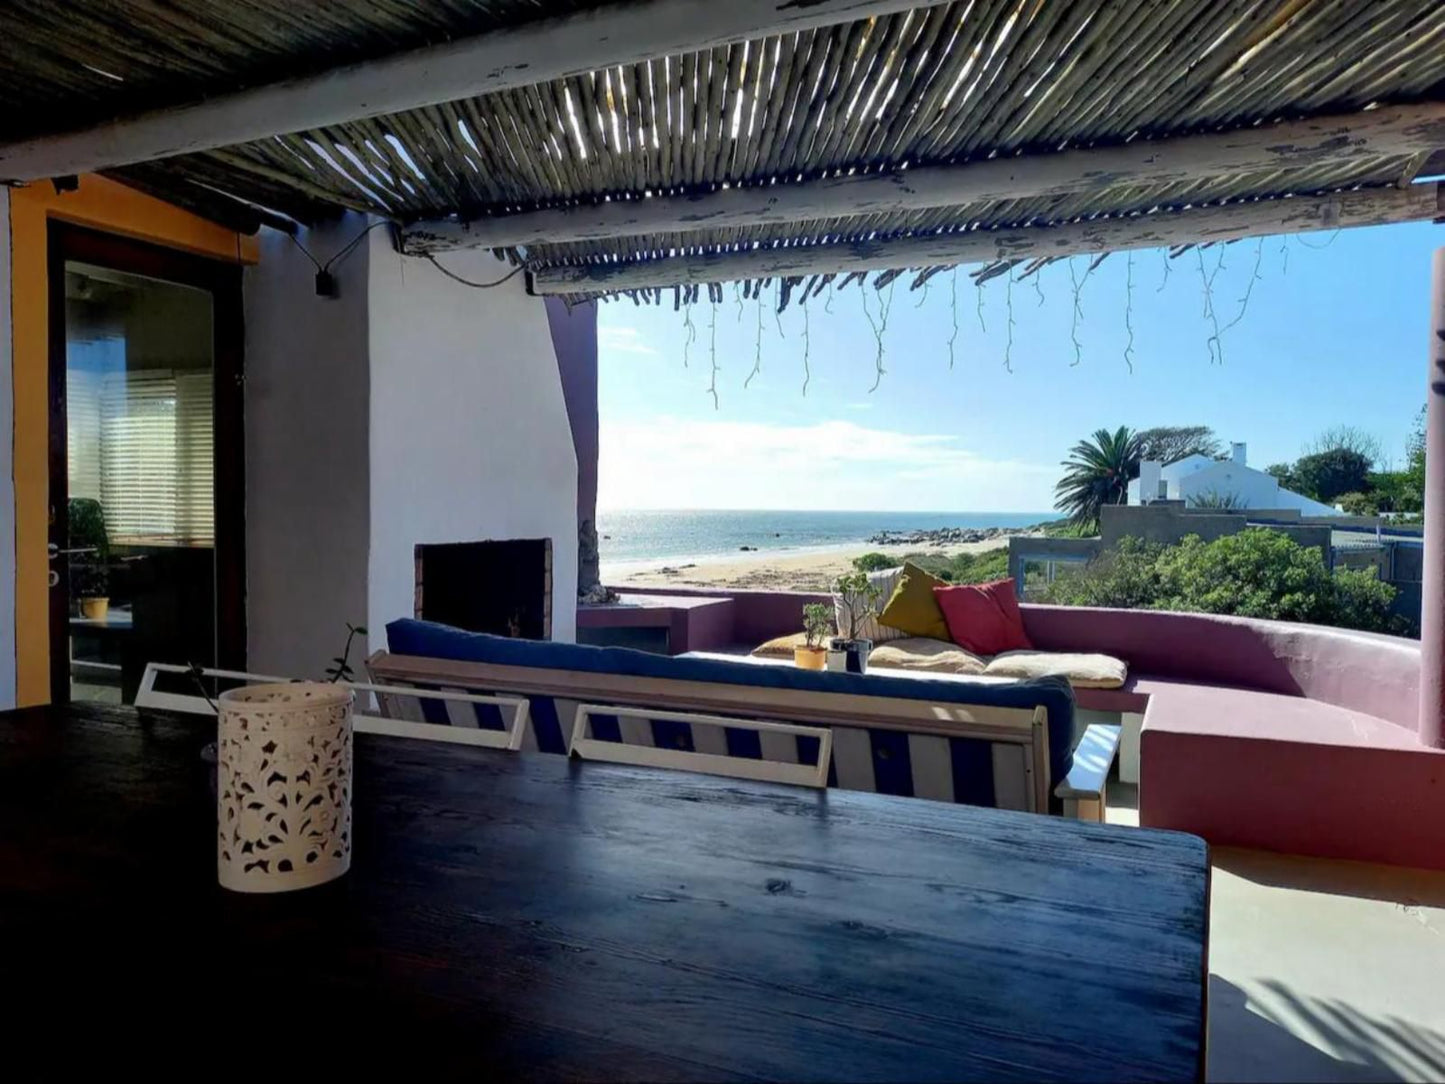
(459, 716)
(979, 755)
(764, 750)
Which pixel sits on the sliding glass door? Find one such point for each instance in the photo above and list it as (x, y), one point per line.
(145, 463)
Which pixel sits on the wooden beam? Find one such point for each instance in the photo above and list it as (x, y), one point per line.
(1378, 133)
(1204, 225)
(585, 41)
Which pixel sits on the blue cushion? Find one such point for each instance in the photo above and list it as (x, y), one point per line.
(431, 640)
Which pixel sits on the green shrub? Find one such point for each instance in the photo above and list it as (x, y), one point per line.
(1359, 504)
(1255, 573)
(965, 567)
(1362, 601)
(875, 562)
(1126, 577)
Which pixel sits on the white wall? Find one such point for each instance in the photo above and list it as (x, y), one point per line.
(7, 470)
(307, 496)
(469, 432)
(1250, 488)
(1287, 498)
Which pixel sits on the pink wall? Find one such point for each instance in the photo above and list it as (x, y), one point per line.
(1365, 672)
(1327, 801)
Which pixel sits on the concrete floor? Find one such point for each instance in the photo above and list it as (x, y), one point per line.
(1321, 970)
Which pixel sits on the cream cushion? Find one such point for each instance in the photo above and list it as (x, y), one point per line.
(919, 653)
(781, 647)
(871, 628)
(1083, 671)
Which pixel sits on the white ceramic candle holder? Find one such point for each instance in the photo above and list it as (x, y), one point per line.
(283, 786)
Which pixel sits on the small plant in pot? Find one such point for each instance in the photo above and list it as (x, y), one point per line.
(89, 572)
(857, 602)
(817, 623)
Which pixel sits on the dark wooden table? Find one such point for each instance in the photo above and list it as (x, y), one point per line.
(527, 916)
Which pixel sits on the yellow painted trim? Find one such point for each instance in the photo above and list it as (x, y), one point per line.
(101, 204)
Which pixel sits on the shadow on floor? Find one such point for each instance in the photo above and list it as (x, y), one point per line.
(1279, 1035)
(1393, 884)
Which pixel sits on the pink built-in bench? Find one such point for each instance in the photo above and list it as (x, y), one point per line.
(1286, 737)
(1293, 738)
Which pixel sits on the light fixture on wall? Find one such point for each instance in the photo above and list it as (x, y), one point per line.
(326, 284)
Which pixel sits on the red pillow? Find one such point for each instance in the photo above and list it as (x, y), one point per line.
(983, 617)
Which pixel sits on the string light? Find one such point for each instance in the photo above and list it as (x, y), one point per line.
(952, 339)
(1008, 297)
(1129, 311)
(1078, 313)
(712, 343)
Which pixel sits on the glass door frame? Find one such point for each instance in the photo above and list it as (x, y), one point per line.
(222, 280)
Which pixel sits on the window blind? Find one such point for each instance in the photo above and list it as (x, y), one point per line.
(156, 457)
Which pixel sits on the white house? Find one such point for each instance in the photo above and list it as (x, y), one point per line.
(1200, 480)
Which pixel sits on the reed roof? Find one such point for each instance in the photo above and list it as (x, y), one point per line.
(953, 83)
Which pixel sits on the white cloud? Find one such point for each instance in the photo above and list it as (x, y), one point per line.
(672, 463)
(615, 339)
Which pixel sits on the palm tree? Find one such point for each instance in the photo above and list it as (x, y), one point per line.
(1097, 473)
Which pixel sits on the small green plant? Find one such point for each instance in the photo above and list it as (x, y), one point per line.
(341, 670)
(858, 600)
(817, 623)
(874, 562)
(86, 530)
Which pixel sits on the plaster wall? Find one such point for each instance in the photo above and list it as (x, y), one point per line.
(469, 433)
(307, 414)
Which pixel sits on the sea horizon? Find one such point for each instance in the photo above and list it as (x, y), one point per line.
(639, 537)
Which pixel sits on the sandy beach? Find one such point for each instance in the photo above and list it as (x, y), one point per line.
(801, 570)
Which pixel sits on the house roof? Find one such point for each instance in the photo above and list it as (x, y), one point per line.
(943, 84)
(1190, 464)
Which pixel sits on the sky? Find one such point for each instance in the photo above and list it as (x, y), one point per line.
(1334, 332)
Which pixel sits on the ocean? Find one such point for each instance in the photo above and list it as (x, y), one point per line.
(634, 538)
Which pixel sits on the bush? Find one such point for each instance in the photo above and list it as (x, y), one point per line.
(875, 562)
(1326, 476)
(1359, 504)
(1256, 573)
(1362, 601)
(1126, 577)
(965, 567)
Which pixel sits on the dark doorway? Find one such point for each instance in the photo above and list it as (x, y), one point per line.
(146, 463)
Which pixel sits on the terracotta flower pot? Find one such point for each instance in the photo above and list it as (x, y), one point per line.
(283, 786)
(94, 609)
(810, 658)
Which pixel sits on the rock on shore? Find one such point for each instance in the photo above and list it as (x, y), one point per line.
(944, 536)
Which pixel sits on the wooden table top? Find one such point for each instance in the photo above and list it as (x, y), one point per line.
(536, 917)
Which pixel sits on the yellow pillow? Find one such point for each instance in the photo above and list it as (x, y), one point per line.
(912, 607)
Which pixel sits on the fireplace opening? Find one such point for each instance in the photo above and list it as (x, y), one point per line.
(500, 587)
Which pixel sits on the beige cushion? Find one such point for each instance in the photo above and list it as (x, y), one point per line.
(781, 647)
(870, 628)
(919, 653)
(1083, 671)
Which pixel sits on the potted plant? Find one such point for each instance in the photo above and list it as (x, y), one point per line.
(857, 601)
(90, 571)
(817, 623)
